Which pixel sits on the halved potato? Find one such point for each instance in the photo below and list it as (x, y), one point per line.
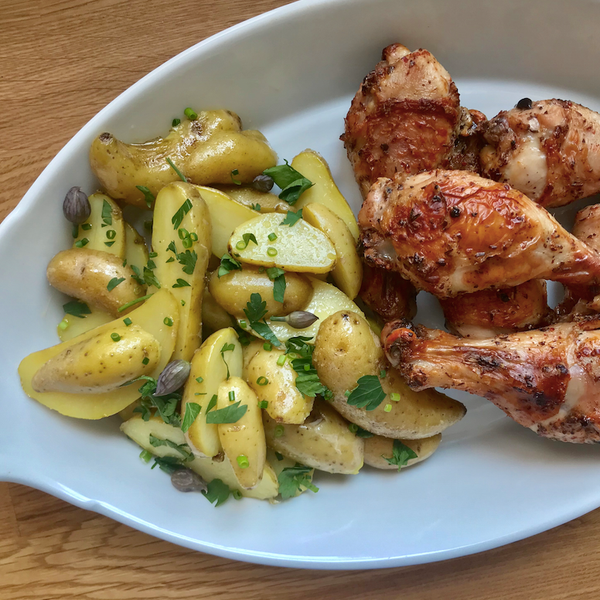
(181, 269)
(301, 247)
(136, 252)
(250, 197)
(347, 273)
(378, 448)
(324, 191)
(150, 317)
(104, 229)
(208, 468)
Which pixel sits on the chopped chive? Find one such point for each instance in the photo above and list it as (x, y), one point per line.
(86, 226)
(183, 303)
(179, 173)
(148, 195)
(81, 243)
(115, 337)
(268, 346)
(187, 242)
(194, 236)
(168, 321)
(183, 232)
(146, 456)
(111, 234)
(263, 403)
(262, 380)
(127, 321)
(199, 379)
(281, 360)
(75, 231)
(352, 427)
(63, 324)
(191, 114)
(395, 397)
(145, 360)
(387, 408)
(109, 244)
(347, 393)
(237, 495)
(279, 431)
(271, 251)
(243, 461)
(175, 122)
(243, 324)
(241, 245)
(153, 255)
(272, 237)
(231, 396)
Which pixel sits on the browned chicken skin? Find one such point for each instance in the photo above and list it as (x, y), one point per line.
(550, 151)
(452, 232)
(547, 379)
(494, 312)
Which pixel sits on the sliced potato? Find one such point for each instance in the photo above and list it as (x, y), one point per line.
(301, 247)
(214, 316)
(346, 350)
(206, 150)
(182, 271)
(378, 448)
(249, 353)
(136, 252)
(244, 440)
(251, 197)
(326, 300)
(104, 229)
(209, 369)
(280, 463)
(233, 291)
(276, 384)
(323, 442)
(87, 274)
(150, 317)
(72, 326)
(324, 191)
(218, 468)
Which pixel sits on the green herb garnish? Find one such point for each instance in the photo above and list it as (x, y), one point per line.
(228, 264)
(192, 410)
(401, 454)
(183, 210)
(179, 173)
(291, 218)
(181, 283)
(295, 479)
(106, 214)
(230, 414)
(77, 309)
(367, 394)
(216, 492)
(292, 183)
(114, 282)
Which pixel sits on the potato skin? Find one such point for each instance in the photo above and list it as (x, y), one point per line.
(248, 196)
(233, 291)
(85, 274)
(345, 351)
(206, 150)
(378, 447)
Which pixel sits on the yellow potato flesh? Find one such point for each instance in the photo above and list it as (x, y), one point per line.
(188, 288)
(150, 317)
(206, 150)
(103, 232)
(225, 216)
(301, 247)
(323, 442)
(72, 326)
(139, 431)
(210, 367)
(243, 441)
(276, 385)
(101, 363)
(324, 191)
(248, 196)
(347, 273)
(136, 252)
(378, 448)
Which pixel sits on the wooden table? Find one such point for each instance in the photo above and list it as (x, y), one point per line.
(62, 61)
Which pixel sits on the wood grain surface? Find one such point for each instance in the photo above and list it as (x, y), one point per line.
(61, 61)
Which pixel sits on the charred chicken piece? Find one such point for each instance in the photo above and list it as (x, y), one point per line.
(546, 379)
(452, 232)
(549, 150)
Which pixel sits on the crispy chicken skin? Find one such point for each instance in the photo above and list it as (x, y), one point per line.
(546, 379)
(388, 294)
(452, 232)
(549, 150)
(493, 312)
(404, 119)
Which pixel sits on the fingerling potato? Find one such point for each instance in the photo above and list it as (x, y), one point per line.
(378, 448)
(214, 316)
(136, 252)
(262, 202)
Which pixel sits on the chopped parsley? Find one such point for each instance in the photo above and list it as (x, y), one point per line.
(77, 309)
(81, 243)
(106, 214)
(367, 394)
(183, 210)
(228, 264)
(216, 492)
(307, 379)
(183, 449)
(291, 218)
(165, 405)
(277, 276)
(168, 464)
(114, 282)
(227, 348)
(230, 414)
(187, 260)
(233, 176)
(255, 311)
(363, 433)
(292, 183)
(295, 479)
(181, 283)
(401, 454)
(192, 410)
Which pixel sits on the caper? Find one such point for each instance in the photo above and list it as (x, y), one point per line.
(263, 183)
(298, 319)
(185, 480)
(173, 376)
(76, 206)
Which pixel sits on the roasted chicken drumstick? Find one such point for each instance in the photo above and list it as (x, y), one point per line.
(546, 379)
(452, 232)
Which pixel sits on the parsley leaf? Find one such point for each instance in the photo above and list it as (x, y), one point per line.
(233, 174)
(216, 492)
(256, 309)
(307, 379)
(168, 464)
(401, 454)
(114, 282)
(150, 278)
(230, 414)
(181, 283)
(212, 403)
(249, 237)
(77, 309)
(263, 330)
(368, 393)
(228, 264)
(226, 348)
(192, 410)
(183, 210)
(172, 248)
(277, 276)
(183, 449)
(106, 214)
(363, 433)
(292, 183)
(291, 218)
(255, 207)
(148, 195)
(295, 479)
(187, 260)
(165, 405)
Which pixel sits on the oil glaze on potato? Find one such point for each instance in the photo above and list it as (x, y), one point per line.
(85, 275)
(233, 291)
(100, 363)
(250, 197)
(378, 448)
(150, 317)
(323, 441)
(346, 350)
(206, 150)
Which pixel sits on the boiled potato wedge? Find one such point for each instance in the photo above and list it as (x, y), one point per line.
(276, 384)
(218, 468)
(378, 448)
(322, 442)
(233, 291)
(101, 363)
(301, 247)
(280, 463)
(86, 275)
(325, 301)
(214, 316)
(206, 150)
(181, 269)
(347, 273)
(210, 367)
(249, 352)
(324, 191)
(346, 350)
(72, 326)
(243, 441)
(104, 229)
(250, 197)
(136, 252)
(150, 317)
